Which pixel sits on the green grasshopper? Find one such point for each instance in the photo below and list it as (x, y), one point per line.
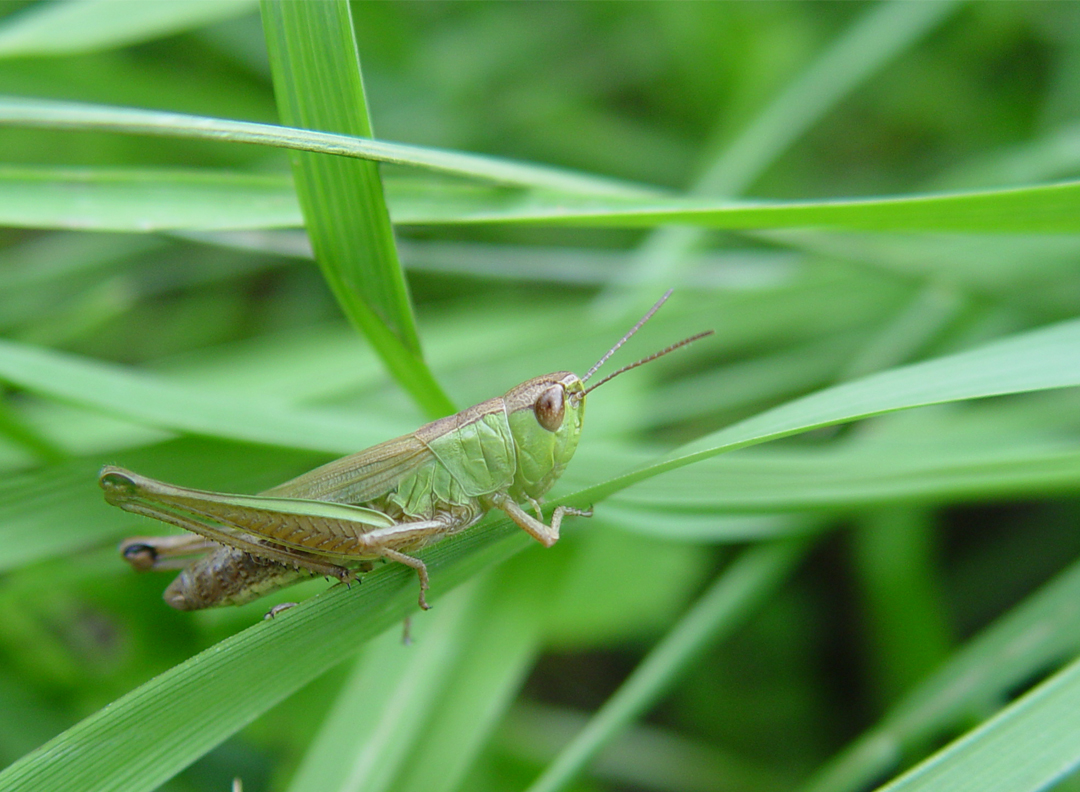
(382, 503)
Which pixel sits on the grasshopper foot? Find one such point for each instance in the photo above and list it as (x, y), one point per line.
(423, 602)
(274, 611)
(141, 556)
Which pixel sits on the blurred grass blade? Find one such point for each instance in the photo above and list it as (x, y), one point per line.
(78, 26)
(459, 681)
(14, 428)
(44, 513)
(317, 83)
(1028, 746)
(723, 607)
(1031, 637)
(57, 510)
(1035, 360)
(645, 757)
(924, 468)
(1038, 209)
(142, 398)
(385, 703)
(142, 201)
(896, 558)
(503, 644)
(49, 114)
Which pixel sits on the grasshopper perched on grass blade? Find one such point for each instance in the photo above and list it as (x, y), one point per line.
(382, 503)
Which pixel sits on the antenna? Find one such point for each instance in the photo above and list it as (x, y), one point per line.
(630, 332)
(648, 315)
(651, 357)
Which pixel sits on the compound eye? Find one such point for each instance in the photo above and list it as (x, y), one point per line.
(549, 408)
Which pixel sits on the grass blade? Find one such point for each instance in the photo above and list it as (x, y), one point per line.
(141, 398)
(49, 114)
(140, 200)
(317, 82)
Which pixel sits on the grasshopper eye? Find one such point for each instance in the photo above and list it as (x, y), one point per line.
(549, 408)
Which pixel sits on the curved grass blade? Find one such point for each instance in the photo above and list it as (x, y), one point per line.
(48, 114)
(317, 83)
(1041, 359)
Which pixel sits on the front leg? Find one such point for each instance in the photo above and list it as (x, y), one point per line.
(547, 535)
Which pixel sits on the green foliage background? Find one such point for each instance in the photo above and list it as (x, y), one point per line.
(871, 204)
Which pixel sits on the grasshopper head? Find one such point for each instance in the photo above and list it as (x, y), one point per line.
(546, 412)
(545, 415)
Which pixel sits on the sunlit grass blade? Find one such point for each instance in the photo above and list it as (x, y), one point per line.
(129, 394)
